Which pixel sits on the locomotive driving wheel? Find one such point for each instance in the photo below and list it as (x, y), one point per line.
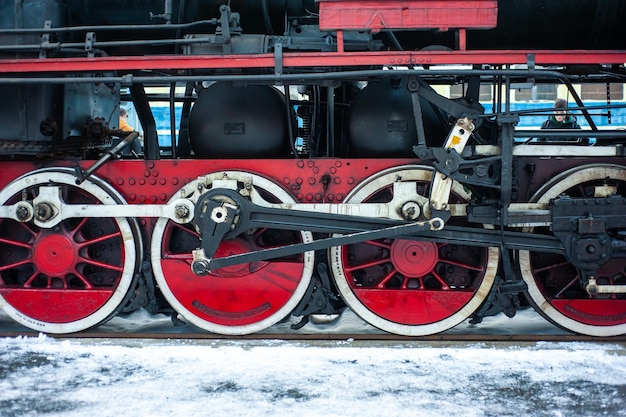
(411, 287)
(240, 299)
(554, 284)
(74, 275)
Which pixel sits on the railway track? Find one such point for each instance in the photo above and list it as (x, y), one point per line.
(444, 337)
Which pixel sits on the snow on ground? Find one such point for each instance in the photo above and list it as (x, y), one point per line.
(42, 376)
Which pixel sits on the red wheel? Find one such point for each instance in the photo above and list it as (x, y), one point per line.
(554, 284)
(405, 286)
(74, 275)
(240, 299)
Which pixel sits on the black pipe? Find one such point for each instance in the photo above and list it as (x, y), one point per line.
(146, 118)
(83, 175)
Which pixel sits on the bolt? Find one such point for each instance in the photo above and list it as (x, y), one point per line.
(182, 211)
(200, 267)
(44, 211)
(410, 210)
(481, 170)
(22, 213)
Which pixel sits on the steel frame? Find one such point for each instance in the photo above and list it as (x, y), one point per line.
(310, 60)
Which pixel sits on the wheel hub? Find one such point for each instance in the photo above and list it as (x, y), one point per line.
(54, 255)
(414, 258)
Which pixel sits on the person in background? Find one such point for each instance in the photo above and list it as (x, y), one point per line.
(135, 147)
(124, 126)
(561, 119)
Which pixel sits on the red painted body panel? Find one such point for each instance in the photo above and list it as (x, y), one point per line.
(153, 182)
(379, 15)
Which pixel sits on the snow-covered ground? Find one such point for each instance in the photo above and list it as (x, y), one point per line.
(42, 376)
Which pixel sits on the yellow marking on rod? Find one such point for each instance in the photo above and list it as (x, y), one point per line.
(455, 140)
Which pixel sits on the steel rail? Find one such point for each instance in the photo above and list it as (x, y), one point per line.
(379, 337)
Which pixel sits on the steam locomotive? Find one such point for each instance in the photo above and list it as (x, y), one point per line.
(319, 155)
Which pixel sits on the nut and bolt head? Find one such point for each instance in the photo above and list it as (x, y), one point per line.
(43, 211)
(200, 267)
(22, 213)
(182, 211)
(411, 210)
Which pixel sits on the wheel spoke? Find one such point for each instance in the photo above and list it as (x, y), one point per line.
(78, 227)
(88, 285)
(366, 265)
(17, 243)
(30, 279)
(93, 241)
(444, 285)
(377, 243)
(178, 256)
(464, 265)
(550, 267)
(100, 264)
(386, 279)
(574, 281)
(15, 265)
(185, 228)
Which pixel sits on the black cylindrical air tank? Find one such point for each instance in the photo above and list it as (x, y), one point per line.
(239, 122)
